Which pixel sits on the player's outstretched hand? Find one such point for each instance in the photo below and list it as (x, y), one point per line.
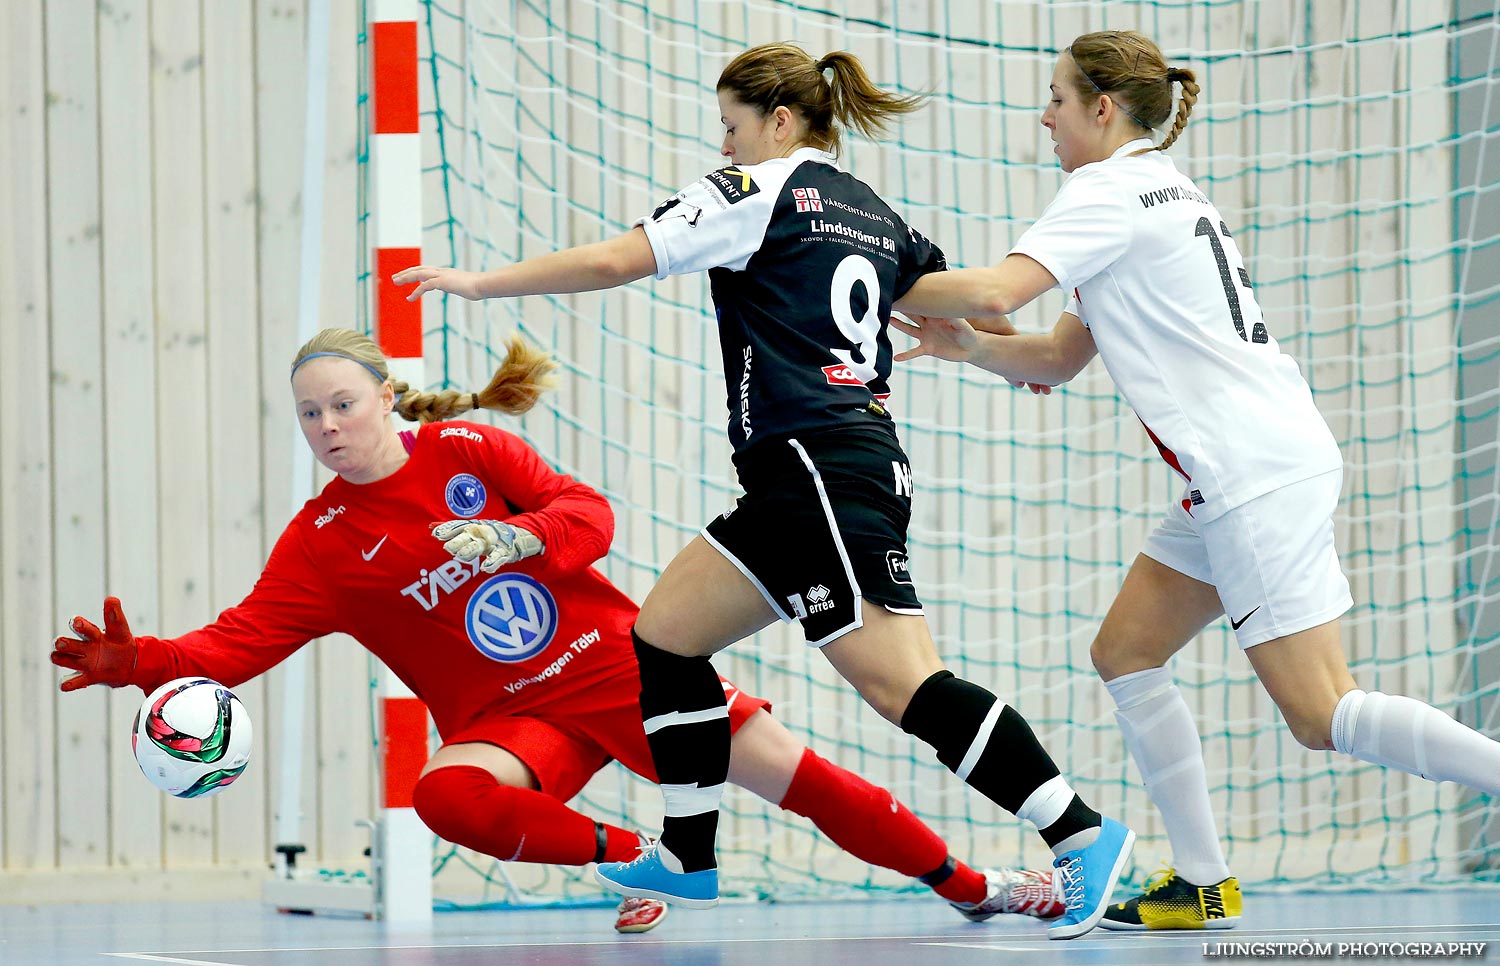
(954, 340)
(498, 543)
(433, 279)
(99, 657)
(950, 339)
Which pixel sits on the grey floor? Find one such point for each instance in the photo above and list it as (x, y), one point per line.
(877, 933)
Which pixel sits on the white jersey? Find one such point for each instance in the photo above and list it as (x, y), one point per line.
(1158, 280)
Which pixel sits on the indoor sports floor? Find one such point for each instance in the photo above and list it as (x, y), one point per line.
(876, 933)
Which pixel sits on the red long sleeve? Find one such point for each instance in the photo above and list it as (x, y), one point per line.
(286, 609)
(574, 521)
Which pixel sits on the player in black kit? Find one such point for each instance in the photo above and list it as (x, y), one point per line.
(804, 262)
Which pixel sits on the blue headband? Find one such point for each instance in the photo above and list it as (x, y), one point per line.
(339, 355)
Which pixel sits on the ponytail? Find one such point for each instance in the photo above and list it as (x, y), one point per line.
(1190, 89)
(514, 388)
(831, 93)
(1129, 67)
(857, 102)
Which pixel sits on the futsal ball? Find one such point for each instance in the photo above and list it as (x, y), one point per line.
(192, 737)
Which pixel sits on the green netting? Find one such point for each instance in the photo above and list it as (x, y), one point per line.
(1343, 142)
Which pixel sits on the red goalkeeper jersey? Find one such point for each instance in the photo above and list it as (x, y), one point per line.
(360, 559)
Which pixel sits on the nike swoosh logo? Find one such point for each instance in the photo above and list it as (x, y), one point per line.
(369, 554)
(1234, 623)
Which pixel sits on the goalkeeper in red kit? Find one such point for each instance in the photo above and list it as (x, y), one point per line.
(499, 622)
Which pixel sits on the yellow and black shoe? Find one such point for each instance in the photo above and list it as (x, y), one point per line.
(1172, 902)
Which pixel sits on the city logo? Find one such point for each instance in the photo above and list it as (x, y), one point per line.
(807, 199)
(510, 618)
(465, 495)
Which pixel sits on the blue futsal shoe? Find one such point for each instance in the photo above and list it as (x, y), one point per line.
(1087, 876)
(646, 878)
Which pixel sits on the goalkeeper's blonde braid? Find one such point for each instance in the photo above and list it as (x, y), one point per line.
(514, 388)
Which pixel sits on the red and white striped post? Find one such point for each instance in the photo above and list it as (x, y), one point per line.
(403, 880)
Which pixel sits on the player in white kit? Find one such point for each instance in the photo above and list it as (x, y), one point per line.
(1159, 291)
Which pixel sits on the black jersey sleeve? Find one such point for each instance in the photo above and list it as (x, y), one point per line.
(918, 257)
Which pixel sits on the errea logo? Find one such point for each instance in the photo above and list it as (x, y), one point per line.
(327, 518)
(819, 599)
(461, 431)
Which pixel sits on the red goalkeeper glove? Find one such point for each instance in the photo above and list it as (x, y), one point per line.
(100, 657)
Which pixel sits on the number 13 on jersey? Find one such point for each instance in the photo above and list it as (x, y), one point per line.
(1205, 228)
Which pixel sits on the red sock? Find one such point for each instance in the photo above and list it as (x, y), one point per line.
(468, 807)
(867, 822)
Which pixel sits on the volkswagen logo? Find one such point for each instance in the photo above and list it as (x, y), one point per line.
(511, 617)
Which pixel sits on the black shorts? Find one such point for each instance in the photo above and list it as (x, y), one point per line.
(822, 525)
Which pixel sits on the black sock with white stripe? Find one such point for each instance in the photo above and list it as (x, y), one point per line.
(687, 730)
(989, 745)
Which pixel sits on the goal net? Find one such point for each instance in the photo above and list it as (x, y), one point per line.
(1345, 144)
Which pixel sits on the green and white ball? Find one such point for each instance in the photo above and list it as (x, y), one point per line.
(192, 737)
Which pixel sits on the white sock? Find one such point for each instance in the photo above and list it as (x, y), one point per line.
(669, 861)
(1163, 740)
(1408, 735)
(1044, 806)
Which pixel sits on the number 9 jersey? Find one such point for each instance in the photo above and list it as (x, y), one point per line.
(1157, 278)
(804, 262)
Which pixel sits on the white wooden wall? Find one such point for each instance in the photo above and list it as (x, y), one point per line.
(152, 157)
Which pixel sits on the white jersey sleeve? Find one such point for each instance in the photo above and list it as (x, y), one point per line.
(718, 221)
(1085, 229)
(1073, 308)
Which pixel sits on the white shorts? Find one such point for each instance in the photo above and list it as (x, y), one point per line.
(1272, 559)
